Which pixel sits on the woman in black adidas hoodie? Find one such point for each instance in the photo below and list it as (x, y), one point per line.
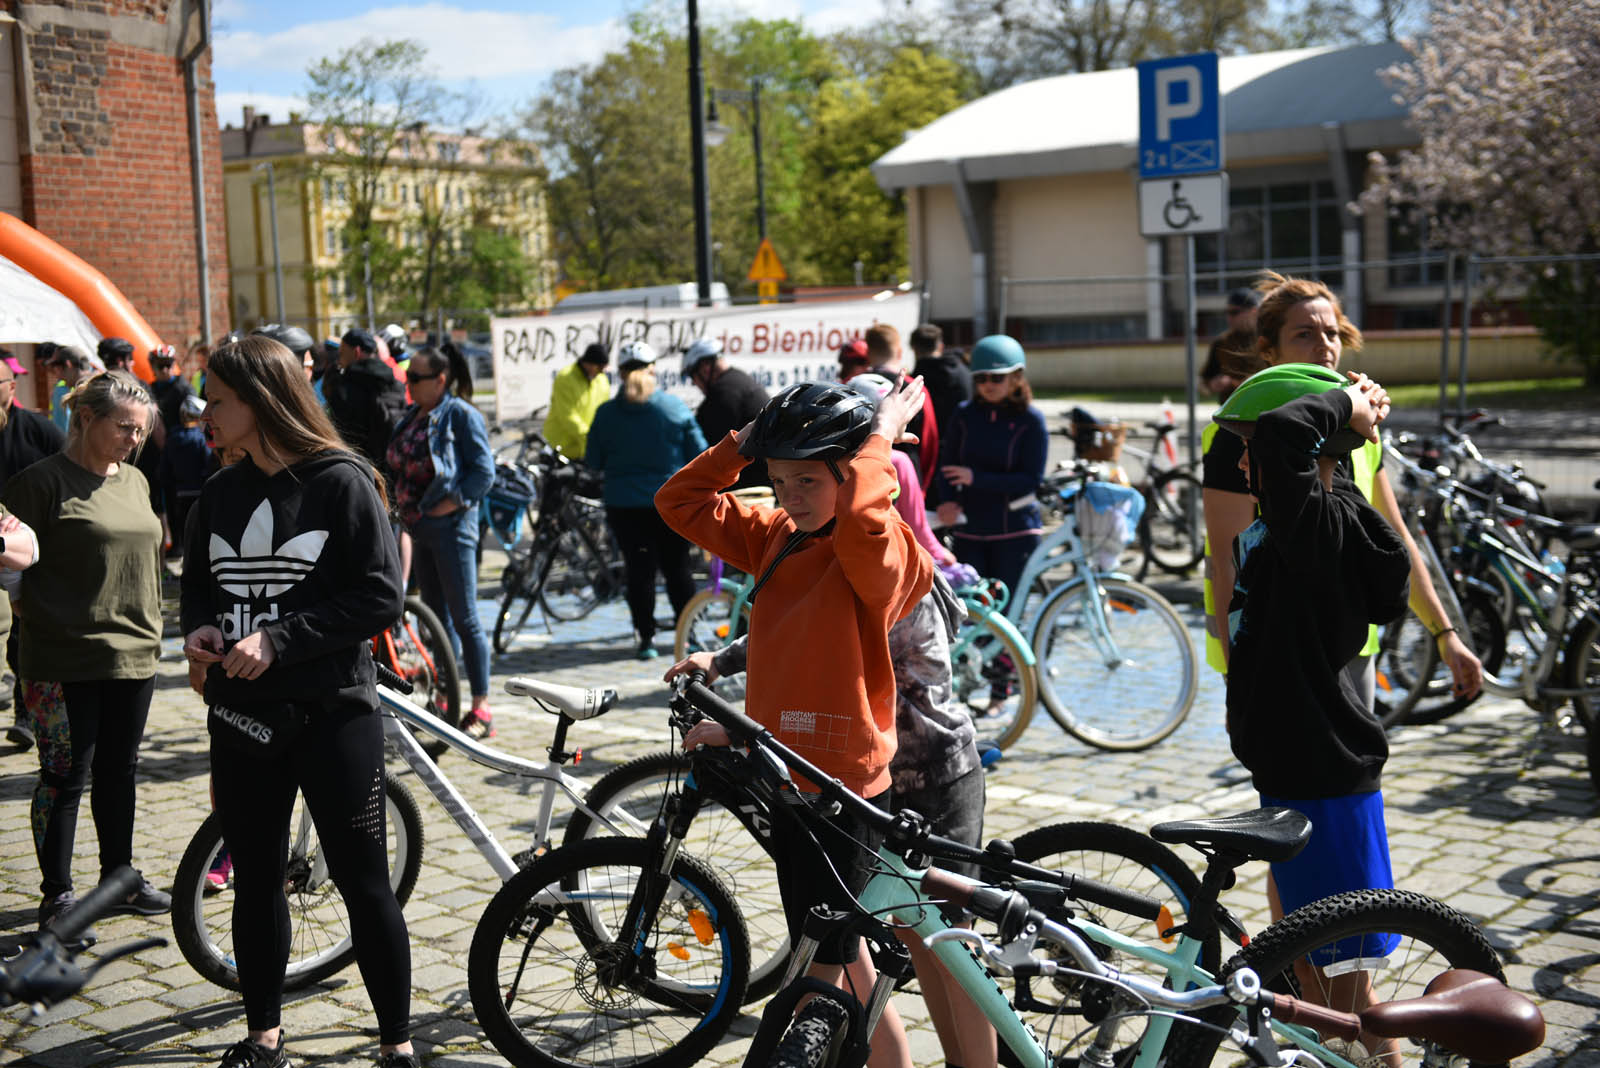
(291, 566)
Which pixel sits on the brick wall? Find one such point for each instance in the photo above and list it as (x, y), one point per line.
(106, 167)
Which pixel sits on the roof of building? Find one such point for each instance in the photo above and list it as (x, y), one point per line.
(1274, 104)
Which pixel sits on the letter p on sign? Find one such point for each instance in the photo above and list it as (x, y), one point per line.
(1171, 84)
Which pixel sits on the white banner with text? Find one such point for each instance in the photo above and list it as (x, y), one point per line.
(778, 345)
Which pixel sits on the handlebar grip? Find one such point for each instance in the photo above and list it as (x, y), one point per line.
(943, 886)
(708, 701)
(1112, 897)
(390, 679)
(96, 903)
(1325, 1021)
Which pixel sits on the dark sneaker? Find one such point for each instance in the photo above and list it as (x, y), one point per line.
(53, 908)
(248, 1054)
(145, 901)
(396, 1059)
(20, 735)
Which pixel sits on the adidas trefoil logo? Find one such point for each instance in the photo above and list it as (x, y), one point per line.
(257, 569)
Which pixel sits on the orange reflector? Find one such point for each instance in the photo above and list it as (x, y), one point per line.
(677, 950)
(1244, 941)
(1383, 683)
(1123, 606)
(722, 630)
(701, 923)
(1166, 927)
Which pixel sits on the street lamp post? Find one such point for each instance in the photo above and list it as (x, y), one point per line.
(717, 133)
(272, 219)
(697, 149)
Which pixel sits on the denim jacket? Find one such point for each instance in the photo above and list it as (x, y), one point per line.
(458, 443)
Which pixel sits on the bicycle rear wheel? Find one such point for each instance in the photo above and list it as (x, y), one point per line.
(991, 676)
(420, 650)
(1582, 658)
(520, 582)
(1394, 942)
(734, 851)
(1171, 532)
(578, 579)
(1117, 672)
(554, 988)
(202, 914)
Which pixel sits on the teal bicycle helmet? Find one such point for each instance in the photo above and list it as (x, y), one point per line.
(997, 354)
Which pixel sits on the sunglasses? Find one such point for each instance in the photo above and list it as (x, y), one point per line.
(990, 376)
(414, 377)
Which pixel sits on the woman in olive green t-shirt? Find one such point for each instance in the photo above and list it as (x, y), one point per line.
(90, 618)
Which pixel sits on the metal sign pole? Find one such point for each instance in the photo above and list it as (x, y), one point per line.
(1189, 346)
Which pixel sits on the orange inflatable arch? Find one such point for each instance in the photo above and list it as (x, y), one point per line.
(103, 303)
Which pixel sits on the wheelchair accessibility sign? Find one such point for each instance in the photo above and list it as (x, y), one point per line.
(1180, 116)
(1194, 205)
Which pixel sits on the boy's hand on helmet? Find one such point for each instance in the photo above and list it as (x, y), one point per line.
(1369, 405)
(897, 409)
(744, 433)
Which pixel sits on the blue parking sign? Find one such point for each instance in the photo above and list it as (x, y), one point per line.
(1180, 116)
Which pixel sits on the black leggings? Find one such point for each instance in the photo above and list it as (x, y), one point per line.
(82, 727)
(648, 544)
(337, 764)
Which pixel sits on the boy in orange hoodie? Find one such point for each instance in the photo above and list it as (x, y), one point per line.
(836, 567)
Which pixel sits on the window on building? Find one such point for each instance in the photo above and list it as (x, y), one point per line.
(1412, 259)
(1294, 226)
(330, 243)
(327, 189)
(1088, 329)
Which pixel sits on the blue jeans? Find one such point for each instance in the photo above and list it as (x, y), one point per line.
(444, 555)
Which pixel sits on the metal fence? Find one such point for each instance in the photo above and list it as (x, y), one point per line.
(1455, 319)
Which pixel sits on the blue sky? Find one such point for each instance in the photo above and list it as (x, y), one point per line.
(503, 48)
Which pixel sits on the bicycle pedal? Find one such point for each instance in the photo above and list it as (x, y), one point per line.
(529, 855)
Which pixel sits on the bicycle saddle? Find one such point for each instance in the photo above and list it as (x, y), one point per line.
(1264, 834)
(1464, 1011)
(578, 702)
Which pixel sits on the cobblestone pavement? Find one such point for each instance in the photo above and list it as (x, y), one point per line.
(1491, 810)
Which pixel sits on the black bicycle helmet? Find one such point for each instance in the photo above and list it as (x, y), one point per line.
(812, 421)
(293, 338)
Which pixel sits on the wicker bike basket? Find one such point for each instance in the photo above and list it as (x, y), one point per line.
(1098, 441)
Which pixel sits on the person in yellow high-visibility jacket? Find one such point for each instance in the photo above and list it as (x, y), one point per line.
(579, 390)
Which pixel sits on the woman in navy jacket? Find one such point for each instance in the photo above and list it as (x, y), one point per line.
(442, 468)
(639, 439)
(991, 464)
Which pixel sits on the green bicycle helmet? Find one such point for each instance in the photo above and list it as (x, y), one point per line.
(1277, 386)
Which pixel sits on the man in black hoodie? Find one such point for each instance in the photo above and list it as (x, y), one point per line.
(733, 398)
(364, 398)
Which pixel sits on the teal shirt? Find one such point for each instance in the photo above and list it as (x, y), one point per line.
(640, 446)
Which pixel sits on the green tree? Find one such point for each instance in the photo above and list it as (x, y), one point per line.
(857, 120)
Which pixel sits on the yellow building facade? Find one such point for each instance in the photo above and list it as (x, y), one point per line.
(435, 187)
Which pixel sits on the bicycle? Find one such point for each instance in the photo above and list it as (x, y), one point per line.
(714, 618)
(1108, 648)
(590, 926)
(572, 563)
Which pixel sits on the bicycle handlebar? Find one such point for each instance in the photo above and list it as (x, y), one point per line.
(44, 972)
(390, 679)
(901, 837)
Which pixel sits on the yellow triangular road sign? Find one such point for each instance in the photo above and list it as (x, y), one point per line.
(766, 268)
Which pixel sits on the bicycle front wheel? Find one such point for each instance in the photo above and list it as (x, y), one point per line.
(717, 836)
(1171, 532)
(420, 650)
(319, 946)
(815, 1037)
(556, 983)
(706, 625)
(1582, 657)
(991, 676)
(1356, 949)
(1118, 671)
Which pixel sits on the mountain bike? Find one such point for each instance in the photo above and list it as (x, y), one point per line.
(572, 563)
(646, 935)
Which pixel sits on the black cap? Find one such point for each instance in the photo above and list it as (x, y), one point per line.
(115, 348)
(596, 354)
(360, 339)
(1244, 299)
(45, 351)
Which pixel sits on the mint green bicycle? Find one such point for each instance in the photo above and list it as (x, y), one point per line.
(629, 952)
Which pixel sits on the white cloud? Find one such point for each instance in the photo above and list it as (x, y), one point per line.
(230, 106)
(461, 44)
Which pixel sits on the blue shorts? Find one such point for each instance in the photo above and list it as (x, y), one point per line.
(1348, 850)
